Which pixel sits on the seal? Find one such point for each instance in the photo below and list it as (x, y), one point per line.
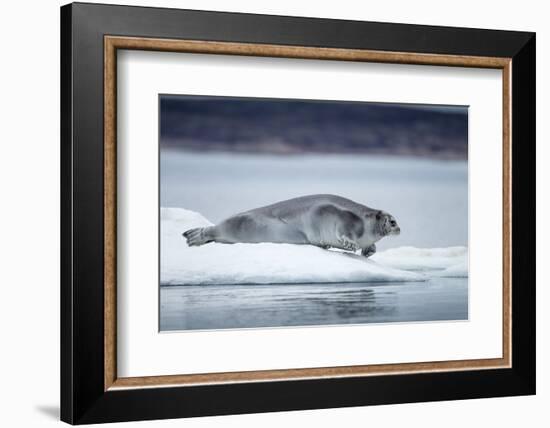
(326, 221)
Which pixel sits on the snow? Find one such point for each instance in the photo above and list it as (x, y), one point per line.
(283, 263)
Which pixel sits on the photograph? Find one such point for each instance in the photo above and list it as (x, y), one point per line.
(289, 213)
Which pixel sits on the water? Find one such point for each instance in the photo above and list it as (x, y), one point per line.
(282, 305)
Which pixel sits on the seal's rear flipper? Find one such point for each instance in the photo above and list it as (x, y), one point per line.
(198, 236)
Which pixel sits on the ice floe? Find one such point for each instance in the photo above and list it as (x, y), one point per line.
(448, 262)
(284, 263)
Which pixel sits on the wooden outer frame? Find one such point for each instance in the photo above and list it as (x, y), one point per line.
(114, 43)
(84, 397)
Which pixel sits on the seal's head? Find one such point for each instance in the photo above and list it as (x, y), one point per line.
(386, 224)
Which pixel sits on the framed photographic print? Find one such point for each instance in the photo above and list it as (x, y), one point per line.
(266, 213)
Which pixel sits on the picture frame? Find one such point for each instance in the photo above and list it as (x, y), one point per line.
(91, 390)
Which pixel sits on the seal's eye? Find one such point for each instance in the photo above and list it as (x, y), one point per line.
(393, 222)
(378, 216)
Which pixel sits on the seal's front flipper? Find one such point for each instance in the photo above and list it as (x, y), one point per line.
(347, 244)
(369, 251)
(198, 236)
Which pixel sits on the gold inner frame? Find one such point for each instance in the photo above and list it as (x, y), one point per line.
(113, 43)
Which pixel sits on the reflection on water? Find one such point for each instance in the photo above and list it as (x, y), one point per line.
(280, 305)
